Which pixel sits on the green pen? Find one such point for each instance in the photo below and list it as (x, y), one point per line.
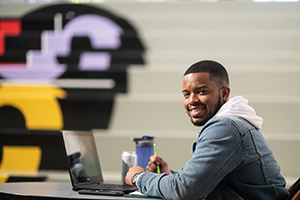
(155, 152)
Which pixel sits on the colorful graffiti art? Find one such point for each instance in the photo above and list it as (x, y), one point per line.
(62, 65)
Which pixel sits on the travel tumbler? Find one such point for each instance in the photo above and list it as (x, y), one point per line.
(144, 149)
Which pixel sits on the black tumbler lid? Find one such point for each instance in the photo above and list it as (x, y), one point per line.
(144, 140)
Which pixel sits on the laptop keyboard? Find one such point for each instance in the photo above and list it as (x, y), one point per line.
(102, 192)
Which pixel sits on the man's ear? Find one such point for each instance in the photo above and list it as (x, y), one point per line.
(225, 92)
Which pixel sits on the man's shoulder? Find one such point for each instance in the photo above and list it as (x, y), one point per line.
(230, 121)
(223, 128)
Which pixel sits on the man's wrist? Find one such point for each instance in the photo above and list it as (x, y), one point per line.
(135, 178)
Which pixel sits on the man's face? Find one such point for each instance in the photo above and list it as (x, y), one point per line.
(202, 97)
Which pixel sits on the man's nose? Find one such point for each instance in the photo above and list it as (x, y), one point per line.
(193, 98)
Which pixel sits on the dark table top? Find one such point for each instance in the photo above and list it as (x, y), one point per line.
(46, 190)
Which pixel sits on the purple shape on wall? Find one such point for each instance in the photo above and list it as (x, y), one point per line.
(43, 64)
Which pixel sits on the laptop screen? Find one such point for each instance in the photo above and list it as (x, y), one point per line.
(82, 156)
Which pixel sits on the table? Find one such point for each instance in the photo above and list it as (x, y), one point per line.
(46, 191)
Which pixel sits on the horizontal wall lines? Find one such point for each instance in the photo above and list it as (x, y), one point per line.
(226, 45)
(158, 97)
(85, 83)
(171, 55)
(273, 99)
(198, 6)
(188, 134)
(62, 83)
(137, 133)
(282, 136)
(213, 15)
(292, 24)
(231, 68)
(221, 33)
(226, 33)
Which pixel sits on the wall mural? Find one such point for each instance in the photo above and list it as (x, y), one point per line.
(61, 66)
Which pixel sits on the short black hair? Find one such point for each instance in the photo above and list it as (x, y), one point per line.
(215, 70)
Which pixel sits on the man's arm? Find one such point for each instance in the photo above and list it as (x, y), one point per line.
(131, 172)
(218, 152)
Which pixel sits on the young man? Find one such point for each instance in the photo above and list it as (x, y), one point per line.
(231, 159)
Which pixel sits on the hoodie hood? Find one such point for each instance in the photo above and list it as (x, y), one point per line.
(239, 106)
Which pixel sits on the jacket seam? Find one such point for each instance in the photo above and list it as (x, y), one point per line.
(260, 160)
(144, 189)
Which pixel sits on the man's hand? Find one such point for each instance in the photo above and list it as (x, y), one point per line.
(131, 172)
(155, 161)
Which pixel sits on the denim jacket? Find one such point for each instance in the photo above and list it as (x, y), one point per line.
(231, 160)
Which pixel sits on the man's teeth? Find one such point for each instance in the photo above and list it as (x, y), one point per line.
(196, 110)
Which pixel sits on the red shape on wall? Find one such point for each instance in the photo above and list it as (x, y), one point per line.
(10, 28)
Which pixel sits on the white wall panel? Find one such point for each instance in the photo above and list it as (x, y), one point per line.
(259, 44)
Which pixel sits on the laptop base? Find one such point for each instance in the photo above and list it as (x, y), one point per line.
(102, 192)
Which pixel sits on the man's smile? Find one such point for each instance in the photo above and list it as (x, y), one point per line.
(194, 112)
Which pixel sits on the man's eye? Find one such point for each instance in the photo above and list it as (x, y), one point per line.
(185, 95)
(203, 91)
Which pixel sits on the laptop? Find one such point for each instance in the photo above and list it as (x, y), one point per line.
(84, 166)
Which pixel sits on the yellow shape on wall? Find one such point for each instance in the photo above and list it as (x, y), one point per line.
(3, 177)
(21, 158)
(37, 103)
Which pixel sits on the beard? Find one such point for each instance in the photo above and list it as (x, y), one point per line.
(209, 115)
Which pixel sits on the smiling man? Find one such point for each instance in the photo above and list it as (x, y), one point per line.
(231, 159)
(204, 93)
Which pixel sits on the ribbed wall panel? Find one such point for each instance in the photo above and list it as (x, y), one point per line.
(259, 44)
